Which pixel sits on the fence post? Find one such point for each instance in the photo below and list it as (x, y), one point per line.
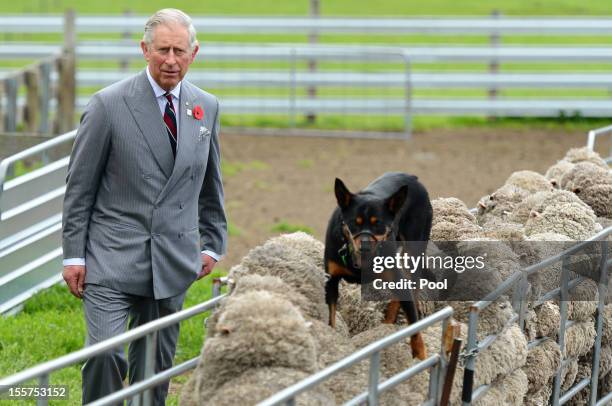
(408, 98)
(563, 321)
(10, 118)
(64, 120)
(292, 88)
(45, 96)
(494, 42)
(32, 110)
(124, 64)
(603, 293)
(313, 38)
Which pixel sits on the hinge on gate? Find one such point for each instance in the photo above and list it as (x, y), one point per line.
(465, 355)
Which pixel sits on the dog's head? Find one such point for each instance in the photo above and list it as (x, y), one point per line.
(367, 218)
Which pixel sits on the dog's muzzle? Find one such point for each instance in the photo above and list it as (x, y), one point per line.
(367, 247)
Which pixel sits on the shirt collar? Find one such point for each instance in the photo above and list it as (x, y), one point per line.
(176, 92)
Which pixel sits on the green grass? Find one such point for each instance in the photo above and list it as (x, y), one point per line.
(283, 226)
(51, 325)
(230, 168)
(328, 7)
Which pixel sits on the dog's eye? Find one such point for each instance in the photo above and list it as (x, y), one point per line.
(359, 220)
(373, 220)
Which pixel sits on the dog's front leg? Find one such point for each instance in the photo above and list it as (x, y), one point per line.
(331, 298)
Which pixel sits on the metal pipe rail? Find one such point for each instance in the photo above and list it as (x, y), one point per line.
(42, 371)
(429, 80)
(376, 54)
(594, 134)
(372, 351)
(398, 106)
(473, 347)
(338, 25)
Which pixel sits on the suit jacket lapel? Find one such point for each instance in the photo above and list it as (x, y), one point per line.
(145, 110)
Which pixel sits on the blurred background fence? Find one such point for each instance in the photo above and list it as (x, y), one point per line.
(368, 75)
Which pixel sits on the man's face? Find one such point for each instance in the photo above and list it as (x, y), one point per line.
(169, 55)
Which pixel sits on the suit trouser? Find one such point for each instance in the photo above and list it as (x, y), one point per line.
(107, 313)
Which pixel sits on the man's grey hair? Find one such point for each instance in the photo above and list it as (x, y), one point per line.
(169, 16)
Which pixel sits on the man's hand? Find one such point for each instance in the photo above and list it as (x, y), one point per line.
(74, 275)
(208, 263)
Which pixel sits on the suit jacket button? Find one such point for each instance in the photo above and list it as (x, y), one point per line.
(181, 206)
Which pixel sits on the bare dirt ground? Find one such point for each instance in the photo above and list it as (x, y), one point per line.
(291, 178)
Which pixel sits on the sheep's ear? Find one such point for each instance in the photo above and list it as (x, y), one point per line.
(576, 190)
(534, 214)
(223, 330)
(343, 195)
(397, 201)
(554, 183)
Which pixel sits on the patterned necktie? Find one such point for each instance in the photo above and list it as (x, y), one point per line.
(170, 120)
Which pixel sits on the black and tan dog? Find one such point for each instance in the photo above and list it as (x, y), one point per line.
(394, 207)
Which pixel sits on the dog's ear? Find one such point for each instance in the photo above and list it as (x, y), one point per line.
(343, 195)
(397, 201)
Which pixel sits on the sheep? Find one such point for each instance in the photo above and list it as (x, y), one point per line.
(500, 203)
(503, 230)
(584, 154)
(606, 333)
(330, 346)
(499, 258)
(520, 213)
(556, 172)
(569, 219)
(304, 243)
(568, 374)
(599, 197)
(258, 384)
(539, 201)
(579, 338)
(540, 397)
(593, 185)
(358, 315)
(276, 259)
(395, 359)
(490, 321)
(506, 354)
(584, 175)
(530, 181)
(584, 371)
(548, 318)
(448, 231)
(508, 390)
(276, 285)
(582, 302)
(254, 330)
(448, 208)
(542, 363)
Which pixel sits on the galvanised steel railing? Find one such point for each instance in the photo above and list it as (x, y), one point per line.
(437, 363)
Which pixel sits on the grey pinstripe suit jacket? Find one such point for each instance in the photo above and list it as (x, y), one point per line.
(139, 218)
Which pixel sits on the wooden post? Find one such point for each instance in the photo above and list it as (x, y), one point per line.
(45, 95)
(2, 112)
(313, 38)
(124, 64)
(494, 42)
(10, 118)
(31, 114)
(66, 92)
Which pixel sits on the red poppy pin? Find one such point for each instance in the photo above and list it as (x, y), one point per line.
(198, 113)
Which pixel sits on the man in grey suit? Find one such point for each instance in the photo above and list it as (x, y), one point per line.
(143, 213)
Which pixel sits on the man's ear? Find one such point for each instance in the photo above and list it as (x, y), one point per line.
(145, 50)
(194, 52)
(343, 195)
(397, 201)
